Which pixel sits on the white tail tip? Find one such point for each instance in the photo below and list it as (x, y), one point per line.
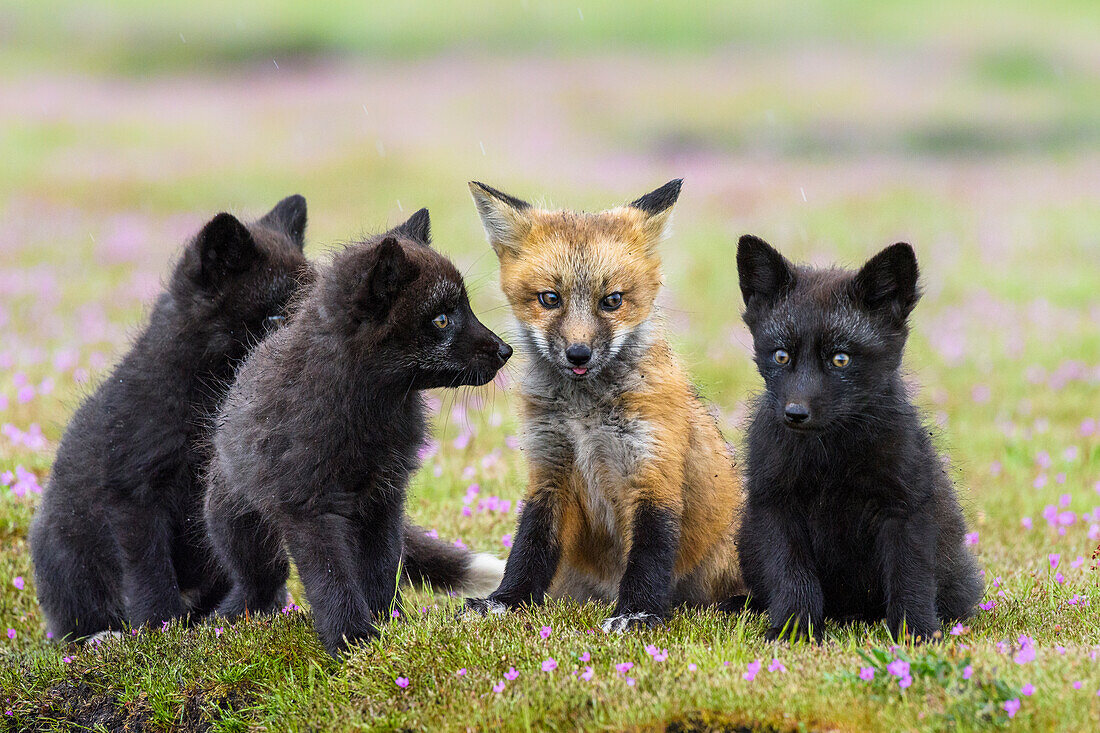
(483, 576)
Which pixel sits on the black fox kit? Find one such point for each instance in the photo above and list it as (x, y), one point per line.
(632, 495)
(319, 433)
(850, 514)
(118, 537)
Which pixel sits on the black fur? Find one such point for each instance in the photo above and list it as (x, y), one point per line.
(429, 561)
(518, 204)
(850, 513)
(657, 201)
(646, 585)
(118, 537)
(418, 228)
(319, 434)
(532, 561)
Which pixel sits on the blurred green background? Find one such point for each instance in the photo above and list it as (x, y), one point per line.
(971, 129)
(831, 129)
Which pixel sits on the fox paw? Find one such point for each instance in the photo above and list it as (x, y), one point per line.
(630, 621)
(476, 608)
(101, 636)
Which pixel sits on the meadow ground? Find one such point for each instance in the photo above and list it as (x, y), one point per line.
(972, 132)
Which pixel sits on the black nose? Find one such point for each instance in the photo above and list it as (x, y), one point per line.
(578, 354)
(796, 414)
(504, 352)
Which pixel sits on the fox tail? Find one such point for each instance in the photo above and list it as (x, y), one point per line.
(446, 567)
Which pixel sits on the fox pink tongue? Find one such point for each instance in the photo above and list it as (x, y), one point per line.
(579, 370)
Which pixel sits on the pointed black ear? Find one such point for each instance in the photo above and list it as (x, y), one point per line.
(663, 198)
(504, 218)
(225, 247)
(418, 228)
(517, 204)
(888, 282)
(765, 275)
(390, 272)
(289, 217)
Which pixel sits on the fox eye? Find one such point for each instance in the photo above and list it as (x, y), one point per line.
(841, 360)
(781, 356)
(441, 321)
(549, 299)
(611, 302)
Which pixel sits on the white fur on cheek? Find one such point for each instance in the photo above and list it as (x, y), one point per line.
(540, 342)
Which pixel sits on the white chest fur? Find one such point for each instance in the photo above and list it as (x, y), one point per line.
(605, 446)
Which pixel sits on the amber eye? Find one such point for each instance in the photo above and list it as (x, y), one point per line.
(841, 360)
(611, 302)
(781, 356)
(441, 321)
(549, 299)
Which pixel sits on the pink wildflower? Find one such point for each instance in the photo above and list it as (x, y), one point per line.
(898, 668)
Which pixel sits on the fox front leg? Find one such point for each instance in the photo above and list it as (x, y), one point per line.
(531, 563)
(907, 548)
(775, 557)
(645, 590)
(149, 582)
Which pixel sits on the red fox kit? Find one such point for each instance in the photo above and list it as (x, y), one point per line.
(632, 497)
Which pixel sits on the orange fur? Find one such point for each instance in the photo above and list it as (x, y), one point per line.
(684, 465)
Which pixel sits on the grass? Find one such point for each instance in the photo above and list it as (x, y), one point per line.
(830, 131)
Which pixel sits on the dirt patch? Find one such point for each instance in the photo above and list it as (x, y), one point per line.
(80, 706)
(712, 722)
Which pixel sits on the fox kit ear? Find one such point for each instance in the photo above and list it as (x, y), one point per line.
(657, 206)
(504, 217)
(418, 228)
(289, 217)
(224, 247)
(390, 272)
(765, 275)
(888, 282)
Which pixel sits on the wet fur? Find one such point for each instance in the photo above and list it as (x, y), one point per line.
(632, 495)
(319, 434)
(118, 538)
(852, 516)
